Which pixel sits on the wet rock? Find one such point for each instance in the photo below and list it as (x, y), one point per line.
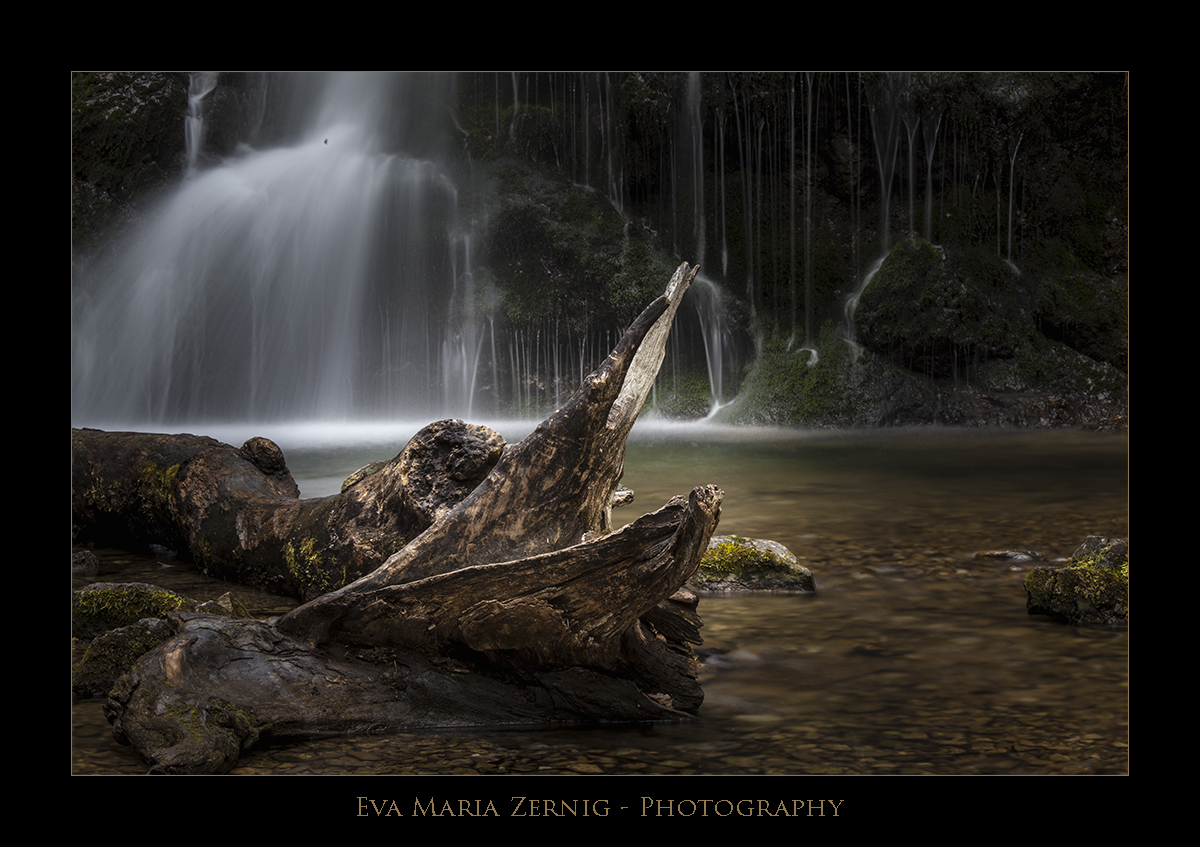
(733, 563)
(104, 606)
(226, 604)
(1092, 588)
(125, 621)
(84, 563)
(1012, 555)
(113, 653)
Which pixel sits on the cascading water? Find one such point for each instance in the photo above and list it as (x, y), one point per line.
(887, 113)
(332, 269)
(326, 278)
(716, 337)
(852, 304)
(200, 84)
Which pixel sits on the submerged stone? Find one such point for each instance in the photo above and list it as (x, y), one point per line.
(1011, 555)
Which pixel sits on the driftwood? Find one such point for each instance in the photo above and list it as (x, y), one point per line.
(517, 603)
(234, 511)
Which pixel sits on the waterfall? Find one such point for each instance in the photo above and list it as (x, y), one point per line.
(304, 280)
(692, 152)
(885, 118)
(199, 85)
(715, 335)
(333, 267)
(887, 110)
(851, 305)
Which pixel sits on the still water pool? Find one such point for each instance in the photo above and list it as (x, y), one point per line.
(913, 656)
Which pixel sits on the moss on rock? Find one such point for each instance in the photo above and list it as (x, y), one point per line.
(564, 254)
(938, 313)
(113, 653)
(126, 621)
(790, 385)
(126, 140)
(733, 563)
(104, 606)
(1093, 588)
(1087, 312)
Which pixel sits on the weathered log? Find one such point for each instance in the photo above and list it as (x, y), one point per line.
(235, 512)
(549, 491)
(518, 604)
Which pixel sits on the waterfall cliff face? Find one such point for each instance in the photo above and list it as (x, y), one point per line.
(469, 245)
(326, 270)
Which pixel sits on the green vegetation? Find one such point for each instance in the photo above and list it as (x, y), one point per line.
(787, 386)
(562, 255)
(735, 557)
(732, 562)
(682, 395)
(1022, 164)
(126, 140)
(113, 653)
(157, 492)
(105, 606)
(928, 311)
(1093, 588)
(309, 569)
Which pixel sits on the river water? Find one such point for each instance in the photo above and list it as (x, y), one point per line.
(914, 656)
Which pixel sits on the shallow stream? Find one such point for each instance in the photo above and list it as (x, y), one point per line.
(913, 657)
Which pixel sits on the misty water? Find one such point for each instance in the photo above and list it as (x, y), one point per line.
(914, 656)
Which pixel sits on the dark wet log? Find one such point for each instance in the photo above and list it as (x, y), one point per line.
(518, 604)
(235, 511)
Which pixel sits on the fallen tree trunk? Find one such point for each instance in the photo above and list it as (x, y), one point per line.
(235, 512)
(517, 604)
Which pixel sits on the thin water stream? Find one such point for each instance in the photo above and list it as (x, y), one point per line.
(913, 657)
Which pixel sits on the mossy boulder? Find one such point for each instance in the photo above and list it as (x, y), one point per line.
(1087, 312)
(104, 606)
(733, 563)
(113, 653)
(1092, 588)
(939, 313)
(125, 621)
(789, 384)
